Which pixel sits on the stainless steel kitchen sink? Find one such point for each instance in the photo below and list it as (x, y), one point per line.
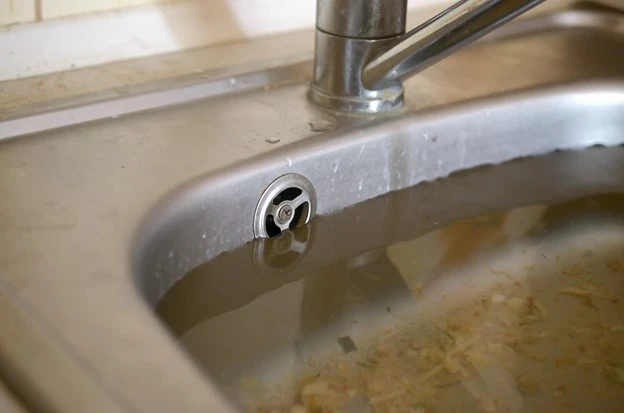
(214, 214)
(110, 200)
(380, 275)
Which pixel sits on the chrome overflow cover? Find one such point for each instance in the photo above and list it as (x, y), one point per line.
(289, 202)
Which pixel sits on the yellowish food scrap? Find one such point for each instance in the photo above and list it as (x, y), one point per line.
(575, 269)
(342, 367)
(298, 409)
(560, 390)
(498, 299)
(577, 292)
(616, 265)
(564, 360)
(615, 374)
(527, 385)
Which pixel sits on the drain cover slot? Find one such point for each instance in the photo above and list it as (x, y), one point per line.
(289, 202)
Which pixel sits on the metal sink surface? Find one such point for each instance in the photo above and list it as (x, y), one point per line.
(108, 200)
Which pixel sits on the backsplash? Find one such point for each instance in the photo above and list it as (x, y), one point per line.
(17, 11)
(59, 35)
(25, 11)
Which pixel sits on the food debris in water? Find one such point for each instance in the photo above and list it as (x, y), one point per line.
(347, 344)
(577, 292)
(496, 353)
(560, 390)
(527, 385)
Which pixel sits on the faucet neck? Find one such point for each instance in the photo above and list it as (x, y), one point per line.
(361, 19)
(363, 54)
(348, 33)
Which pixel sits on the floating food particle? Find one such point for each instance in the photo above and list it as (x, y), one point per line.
(347, 344)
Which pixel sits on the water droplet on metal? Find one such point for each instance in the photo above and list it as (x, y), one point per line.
(321, 125)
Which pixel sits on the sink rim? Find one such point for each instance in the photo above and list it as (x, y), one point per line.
(232, 280)
(40, 117)
(204, 196)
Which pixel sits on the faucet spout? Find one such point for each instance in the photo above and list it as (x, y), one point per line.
(458, 26)
(363, 54)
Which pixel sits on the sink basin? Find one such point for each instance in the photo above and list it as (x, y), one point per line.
(115, 199)
(341, 302)
(227, 301)
(214, 214)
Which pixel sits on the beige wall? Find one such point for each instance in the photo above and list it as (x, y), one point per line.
(17, 11)
(59, 8)
(20, 11)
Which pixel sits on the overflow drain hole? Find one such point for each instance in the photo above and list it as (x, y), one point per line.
(289, 202)
(288, 194)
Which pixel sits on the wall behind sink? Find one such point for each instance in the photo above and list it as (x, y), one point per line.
(45, 36)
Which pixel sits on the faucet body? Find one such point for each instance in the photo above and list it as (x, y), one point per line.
(363, 52)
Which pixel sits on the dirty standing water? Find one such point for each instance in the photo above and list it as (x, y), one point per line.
(494, 290)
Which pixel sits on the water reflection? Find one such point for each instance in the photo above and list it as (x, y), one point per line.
(388, 308)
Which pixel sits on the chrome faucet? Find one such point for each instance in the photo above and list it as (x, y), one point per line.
(363, 53)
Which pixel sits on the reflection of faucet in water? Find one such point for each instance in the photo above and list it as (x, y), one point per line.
(366, 281)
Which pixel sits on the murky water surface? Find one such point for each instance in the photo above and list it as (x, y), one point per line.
(414, 303)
